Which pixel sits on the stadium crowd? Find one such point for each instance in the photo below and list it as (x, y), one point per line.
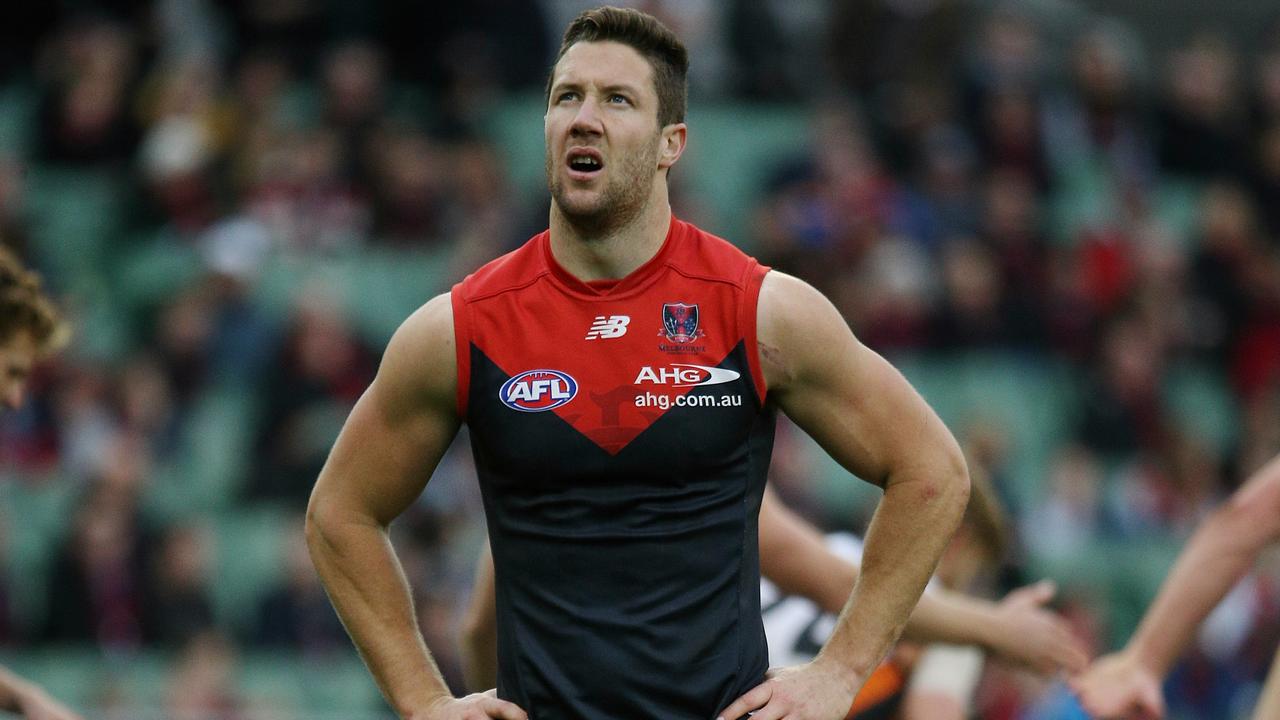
(982, 191)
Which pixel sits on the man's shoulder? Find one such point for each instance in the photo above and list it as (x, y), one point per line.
(708, 255)
(511, 271)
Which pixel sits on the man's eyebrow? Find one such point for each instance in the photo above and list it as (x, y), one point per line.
(566, 85)
(621, 87)
(612, 88)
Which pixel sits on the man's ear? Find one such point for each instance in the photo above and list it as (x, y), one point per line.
(673, 141)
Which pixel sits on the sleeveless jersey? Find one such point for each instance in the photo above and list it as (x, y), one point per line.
(621, 441)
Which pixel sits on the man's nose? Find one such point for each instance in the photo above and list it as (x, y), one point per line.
(587, 119)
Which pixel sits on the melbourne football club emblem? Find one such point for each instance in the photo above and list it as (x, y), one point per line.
(680, 322)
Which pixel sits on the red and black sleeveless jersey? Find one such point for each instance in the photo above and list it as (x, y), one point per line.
(622, 441)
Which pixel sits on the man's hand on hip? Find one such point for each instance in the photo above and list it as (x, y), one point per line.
(476, 706)
(816, 691)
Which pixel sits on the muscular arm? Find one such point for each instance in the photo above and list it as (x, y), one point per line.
(865, 414)
(870, 420)
(381, 461)
(1217, 556)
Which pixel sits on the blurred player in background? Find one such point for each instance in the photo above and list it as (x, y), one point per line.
(934, 673)
(1126, 684)
(30, 328)
(619, 374)
(809, 581)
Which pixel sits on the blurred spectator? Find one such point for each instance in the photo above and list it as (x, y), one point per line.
(189, 129)
(1002, 86)
(1202, 126)
(410, 178)
(1011, 231)
(826, 210)
(888, 301)
(180, 608)
(320, 370)
(182, 336)
(1123, 412)
(299, 192)
(202, 686)
(474, 51)
(759, 51)
(295, 30)
(879, 42)
(1228, 253)
(354, 76)
(479, 217)
(948, 183)
(1096, 122)
(97, 590)
(84, 114)
(974, 312)
(146, 405)
(235, 251)
(296, 614)
(1070, 515)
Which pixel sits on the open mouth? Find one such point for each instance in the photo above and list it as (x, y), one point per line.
(585, 163)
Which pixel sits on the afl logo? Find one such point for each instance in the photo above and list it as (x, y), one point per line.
(538, 390)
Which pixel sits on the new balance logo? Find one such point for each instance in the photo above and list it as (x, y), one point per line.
(608, 327)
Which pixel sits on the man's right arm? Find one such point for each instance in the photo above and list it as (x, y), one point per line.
(1217, 556)
(393, 439)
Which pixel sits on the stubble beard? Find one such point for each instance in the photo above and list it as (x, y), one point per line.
(622, 201)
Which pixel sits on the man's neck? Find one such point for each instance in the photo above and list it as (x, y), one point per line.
(614, 254)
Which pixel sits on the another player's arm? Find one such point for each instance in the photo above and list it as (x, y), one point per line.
(393, 439)
(1217, 556)
(943, 682)
(480, 628)
(865, 414)
(29, 700)
(795, 557)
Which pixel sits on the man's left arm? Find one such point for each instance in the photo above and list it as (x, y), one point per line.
(867, 416)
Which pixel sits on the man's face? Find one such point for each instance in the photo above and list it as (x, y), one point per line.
(17, 357)
(602, 133)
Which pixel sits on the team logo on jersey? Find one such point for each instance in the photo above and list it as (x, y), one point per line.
(685, 375)
(613, 326)
(680, 328)
(680, 322)
(538, 390)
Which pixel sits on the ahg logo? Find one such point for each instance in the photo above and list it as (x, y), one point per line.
(684, 375)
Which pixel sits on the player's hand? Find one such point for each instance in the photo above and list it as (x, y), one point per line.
(1119, 687)
(1034, 637)
(476, 706)
(816, 691)
(35, 704)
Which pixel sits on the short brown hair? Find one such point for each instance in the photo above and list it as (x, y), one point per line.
(24, 306)
(646, 35)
